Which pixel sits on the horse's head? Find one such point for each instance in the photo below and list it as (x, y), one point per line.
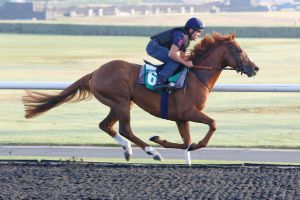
(234, 56)
(237, 58)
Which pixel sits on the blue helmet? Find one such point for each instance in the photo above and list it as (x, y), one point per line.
(194, 23)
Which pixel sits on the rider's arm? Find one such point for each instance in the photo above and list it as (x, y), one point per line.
(174, 56)
(183, 55)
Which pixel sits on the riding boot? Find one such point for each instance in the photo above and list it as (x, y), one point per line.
(160, 86)
(160, 83)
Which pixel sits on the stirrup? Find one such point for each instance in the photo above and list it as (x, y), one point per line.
(170, 87)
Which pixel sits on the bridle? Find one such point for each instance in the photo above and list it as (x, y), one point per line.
(235, 53)
(239, 61)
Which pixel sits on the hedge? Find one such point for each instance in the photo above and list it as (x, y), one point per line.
(75, 29)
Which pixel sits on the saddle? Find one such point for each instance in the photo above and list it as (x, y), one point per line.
(148, 76)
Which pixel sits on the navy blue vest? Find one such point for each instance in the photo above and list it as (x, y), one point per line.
(164, 38)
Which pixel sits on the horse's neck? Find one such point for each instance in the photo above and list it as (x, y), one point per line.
(209, 77)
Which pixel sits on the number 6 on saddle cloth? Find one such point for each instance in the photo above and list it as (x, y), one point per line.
(149, 72)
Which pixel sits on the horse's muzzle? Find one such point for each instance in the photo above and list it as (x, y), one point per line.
(250, 70)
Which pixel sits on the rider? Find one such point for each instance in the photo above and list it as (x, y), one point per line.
(165, 46)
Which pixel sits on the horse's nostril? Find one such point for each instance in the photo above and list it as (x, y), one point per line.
(256, 69)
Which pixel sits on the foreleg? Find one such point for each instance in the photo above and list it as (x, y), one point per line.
(197, 116)
(184, 130)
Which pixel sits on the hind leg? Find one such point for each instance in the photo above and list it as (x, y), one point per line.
(184, 130)
(107, 125)
(122, 111)
(120, 105)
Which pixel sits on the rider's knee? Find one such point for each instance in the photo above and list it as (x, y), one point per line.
(213, 125)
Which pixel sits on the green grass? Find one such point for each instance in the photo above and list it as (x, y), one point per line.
(244, 119)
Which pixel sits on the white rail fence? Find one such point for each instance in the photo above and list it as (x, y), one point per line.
(218, 88)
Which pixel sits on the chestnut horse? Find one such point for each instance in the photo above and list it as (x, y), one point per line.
(115, 85)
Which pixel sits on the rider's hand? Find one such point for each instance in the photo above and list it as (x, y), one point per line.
(189, 64)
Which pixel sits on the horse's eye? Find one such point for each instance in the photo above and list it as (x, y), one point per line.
(239, 50)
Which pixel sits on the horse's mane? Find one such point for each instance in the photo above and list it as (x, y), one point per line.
(208, 42)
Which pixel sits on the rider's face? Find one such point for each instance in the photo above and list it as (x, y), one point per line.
(196, 35)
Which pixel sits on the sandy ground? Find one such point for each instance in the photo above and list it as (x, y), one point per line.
(73, 180)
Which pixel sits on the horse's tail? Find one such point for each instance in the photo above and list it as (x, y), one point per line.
(37, 103)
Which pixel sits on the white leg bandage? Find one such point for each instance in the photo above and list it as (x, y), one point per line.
(188, 160)
(151, 150)
(124, 143)
(187, 154)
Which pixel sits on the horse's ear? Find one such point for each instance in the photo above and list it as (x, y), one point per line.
(233, 36)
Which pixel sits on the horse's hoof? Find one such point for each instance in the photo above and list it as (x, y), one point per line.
(151, 151)
(154, 138)
(127, 155)
(191, 147)
(158, 157)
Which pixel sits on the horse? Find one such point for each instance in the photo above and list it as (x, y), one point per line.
(115, 85)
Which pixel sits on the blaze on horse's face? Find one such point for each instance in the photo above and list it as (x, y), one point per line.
(239, 60)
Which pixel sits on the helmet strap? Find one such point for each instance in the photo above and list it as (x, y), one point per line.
(190, 34)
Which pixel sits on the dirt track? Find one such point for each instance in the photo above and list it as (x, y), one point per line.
(73, 180)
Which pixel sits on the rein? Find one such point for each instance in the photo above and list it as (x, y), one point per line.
(238, 69)
(203, 57)
(202, 67)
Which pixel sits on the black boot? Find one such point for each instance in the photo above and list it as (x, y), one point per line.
(160, 86)
(160, 83)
